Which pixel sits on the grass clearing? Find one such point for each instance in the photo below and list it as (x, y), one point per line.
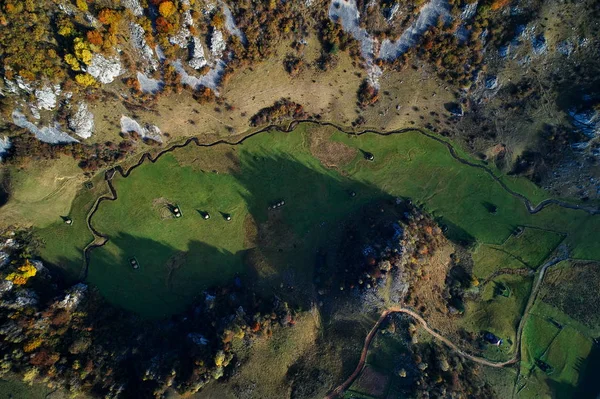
(532, 246)
(40, 192)
(525, 250)
(487, 259)
(63, 244)
(499, 314)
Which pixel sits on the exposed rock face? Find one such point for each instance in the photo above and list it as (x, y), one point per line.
(46, 97)
(82, 122)
(491, 82)
(134, 6)
(217, 44)
(48, 134)
(4, 259)
(428, 16)
(4, 146)
(139, 41)
(197, 58)
(230, 24)
(104, 69)
(587, 121)
(151, 132)
(149, 85)
(73, 297)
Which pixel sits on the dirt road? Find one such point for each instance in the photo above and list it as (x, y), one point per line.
(339, 390)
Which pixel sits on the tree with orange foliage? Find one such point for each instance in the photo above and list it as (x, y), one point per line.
(163, 26)
(498, 4)
(95, 37)
(218, 21)
(109, 16)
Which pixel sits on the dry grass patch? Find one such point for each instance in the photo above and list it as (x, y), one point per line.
(264, 371)
(218, 159)
(331, 153)
(41, 192)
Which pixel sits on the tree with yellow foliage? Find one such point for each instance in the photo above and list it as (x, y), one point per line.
(85, 80)
(166, 9)
(82, 50)
(65, 27)
(32, 345)
(23, 273)
(219, 358)
(82, 5)
(71, 60)
(30, 375)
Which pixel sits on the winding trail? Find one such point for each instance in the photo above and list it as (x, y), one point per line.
(340, 389)
(101, 239)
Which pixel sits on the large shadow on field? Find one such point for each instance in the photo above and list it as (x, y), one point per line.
(589, 385)
(300, 210)
(167, 279)
(303, 234)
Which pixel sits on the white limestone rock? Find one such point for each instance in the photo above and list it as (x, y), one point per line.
(48, 134)
(217, 44)
(197, 58)
(4, 146)
(82, 121)
(151, 132)
(46, 97)
(104, 69)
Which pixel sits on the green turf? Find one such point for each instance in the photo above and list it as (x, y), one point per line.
(272, 166)
(63, 244)
(561, 342)
(567, 355)
(12, 388)
(532, 246)
(498, 314)
(487, 259)
(525, 250)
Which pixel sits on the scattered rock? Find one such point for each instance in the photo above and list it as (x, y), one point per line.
(151, 132)
(491, 82)
(46, 97)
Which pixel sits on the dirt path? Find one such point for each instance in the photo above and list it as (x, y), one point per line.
(339, 390)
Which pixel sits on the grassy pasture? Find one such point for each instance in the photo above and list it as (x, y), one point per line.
(527, 250)
(564, 350)
(499, 314)
(40, 192)
(532, 246)
(181, 257)
(63, 244)
(487, 259)
(561, 336)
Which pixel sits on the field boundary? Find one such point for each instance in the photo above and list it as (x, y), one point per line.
(110, 173)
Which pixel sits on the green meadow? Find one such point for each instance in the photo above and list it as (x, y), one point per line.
(180, 257)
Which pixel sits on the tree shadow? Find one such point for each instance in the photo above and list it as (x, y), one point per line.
(167, 279)
(589, 385)
(301, 210)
